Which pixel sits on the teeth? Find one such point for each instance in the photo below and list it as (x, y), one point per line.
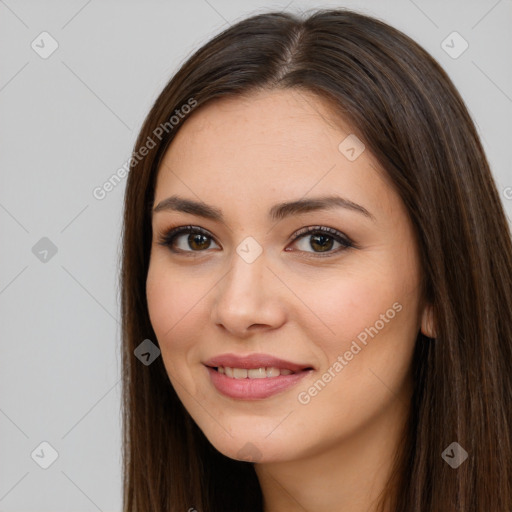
(273, 372)
(240, 373)
(256, 373)
(253, 373)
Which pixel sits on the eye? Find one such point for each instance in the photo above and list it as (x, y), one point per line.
(198, 239)
(321, 239)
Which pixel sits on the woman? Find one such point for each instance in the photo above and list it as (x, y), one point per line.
(314, 242)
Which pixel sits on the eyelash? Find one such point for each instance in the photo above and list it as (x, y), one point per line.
(168, 238)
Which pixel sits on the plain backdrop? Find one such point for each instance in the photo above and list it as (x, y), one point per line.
(68, 121)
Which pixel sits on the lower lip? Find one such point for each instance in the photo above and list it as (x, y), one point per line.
(254, 389)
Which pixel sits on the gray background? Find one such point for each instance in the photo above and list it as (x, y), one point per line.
(67, 123)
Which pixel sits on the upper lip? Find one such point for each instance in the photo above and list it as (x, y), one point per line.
(254, 361)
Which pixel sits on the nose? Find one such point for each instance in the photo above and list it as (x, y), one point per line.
(249, 298)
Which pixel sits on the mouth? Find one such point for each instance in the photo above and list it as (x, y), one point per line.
(254, 377)
(263, 372)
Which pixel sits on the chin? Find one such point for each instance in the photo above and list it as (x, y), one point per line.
(252, 448)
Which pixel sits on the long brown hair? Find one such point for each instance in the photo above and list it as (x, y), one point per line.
(404, 107)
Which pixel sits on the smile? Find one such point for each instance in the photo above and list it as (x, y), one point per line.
(253, 373)
(254, 376)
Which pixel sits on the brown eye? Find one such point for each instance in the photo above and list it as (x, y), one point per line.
(321, 239)
(197, 240)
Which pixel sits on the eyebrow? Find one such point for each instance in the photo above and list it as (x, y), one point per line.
(277, 212)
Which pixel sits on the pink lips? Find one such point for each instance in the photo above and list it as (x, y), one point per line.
(254, 389)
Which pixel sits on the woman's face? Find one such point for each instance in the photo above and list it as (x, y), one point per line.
(341, 309)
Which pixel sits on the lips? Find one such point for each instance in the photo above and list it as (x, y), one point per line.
(234, 376)
(255, 361)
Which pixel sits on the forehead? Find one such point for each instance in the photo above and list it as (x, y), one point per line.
(268, 144)
(282, 120)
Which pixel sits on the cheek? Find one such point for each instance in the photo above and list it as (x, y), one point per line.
(367, 361)
(342, 308)
(161, 300)
(174, 310)
(172, 306)
(369, 318)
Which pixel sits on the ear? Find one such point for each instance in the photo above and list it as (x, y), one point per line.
(427, 322)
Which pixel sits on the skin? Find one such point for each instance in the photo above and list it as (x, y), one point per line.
(243, 155)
